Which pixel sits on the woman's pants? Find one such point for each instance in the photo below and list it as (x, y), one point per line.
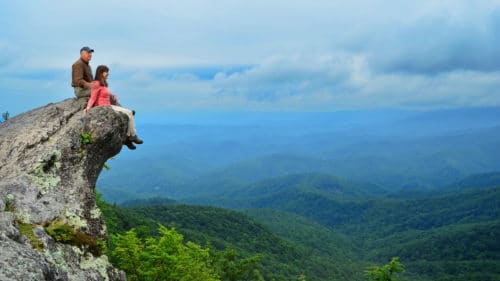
(131, 122)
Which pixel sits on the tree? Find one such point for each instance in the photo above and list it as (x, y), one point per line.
(163, 258)
(127, 252)
(385, 272)
(231, 266)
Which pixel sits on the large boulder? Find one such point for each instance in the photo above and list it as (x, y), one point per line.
(50, 158)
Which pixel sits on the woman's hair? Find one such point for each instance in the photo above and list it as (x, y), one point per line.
(98, 74)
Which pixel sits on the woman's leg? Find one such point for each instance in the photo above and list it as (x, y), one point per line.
(131, 122)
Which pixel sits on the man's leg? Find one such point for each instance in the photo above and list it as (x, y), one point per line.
(82, 92)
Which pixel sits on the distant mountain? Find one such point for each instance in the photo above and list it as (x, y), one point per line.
(393, 149)
(422, 163)
(447, 121)
(146, 175)
(478, 181)
(252, 194)
(155, 201)
(460, 226)
(266, 167)
(468, 183)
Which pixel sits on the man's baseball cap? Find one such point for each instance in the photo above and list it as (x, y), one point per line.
(86, 48)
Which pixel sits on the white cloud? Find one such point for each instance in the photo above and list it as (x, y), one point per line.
(311, 55)
(347, 81)
(278, 77)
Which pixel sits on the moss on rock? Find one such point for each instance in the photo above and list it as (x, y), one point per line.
(27, 230)
(68, 234)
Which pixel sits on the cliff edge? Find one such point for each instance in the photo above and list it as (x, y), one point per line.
(50, 158)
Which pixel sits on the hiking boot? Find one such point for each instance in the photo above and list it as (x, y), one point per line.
(129, 144)
(135, 139)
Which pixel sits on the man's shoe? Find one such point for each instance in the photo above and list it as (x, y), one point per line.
(129, 144)
(135, 139)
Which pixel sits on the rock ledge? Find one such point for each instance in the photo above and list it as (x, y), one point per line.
(50, 159)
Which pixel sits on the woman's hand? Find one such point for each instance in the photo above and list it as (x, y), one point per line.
(85, 111)
(114, 99)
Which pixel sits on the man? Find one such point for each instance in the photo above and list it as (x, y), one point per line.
(81, 73)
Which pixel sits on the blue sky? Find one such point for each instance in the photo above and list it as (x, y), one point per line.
(256, 55)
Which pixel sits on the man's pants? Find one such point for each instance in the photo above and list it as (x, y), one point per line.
(82, 92)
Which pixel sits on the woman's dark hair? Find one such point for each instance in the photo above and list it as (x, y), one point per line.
(98, 74)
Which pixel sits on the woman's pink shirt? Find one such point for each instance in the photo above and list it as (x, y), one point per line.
(99, 96)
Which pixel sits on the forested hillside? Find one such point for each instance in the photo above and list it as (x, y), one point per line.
(282, 258)
(324, 195)
(311, 227)
(436, 236)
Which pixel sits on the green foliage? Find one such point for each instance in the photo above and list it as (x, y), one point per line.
(385, 272)
(330, 254)
(87, 137)
(102, 245)
(9, 203)
(163, 258)
(230, 266)
(119, 220)
(106, 166)
(220, 228)
(65, 233)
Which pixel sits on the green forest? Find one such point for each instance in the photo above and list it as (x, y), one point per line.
(378, 195)
(310, 229)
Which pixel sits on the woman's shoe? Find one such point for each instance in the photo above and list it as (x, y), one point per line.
(129, 144)
(135, 139)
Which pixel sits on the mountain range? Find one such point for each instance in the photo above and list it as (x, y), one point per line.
(338, 191)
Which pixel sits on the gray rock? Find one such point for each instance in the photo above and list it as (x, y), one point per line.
(7, 226)
(21, 262)
(50, 159)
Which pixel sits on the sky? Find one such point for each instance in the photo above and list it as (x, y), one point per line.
(272, 55)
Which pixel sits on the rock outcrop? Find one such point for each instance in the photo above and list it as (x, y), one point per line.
(50, 158)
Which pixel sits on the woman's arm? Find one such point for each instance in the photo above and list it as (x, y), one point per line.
(94, 93)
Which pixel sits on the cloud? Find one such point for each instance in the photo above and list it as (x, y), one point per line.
(439, 41)
(330, 82)
(273, 55)
(299, 75)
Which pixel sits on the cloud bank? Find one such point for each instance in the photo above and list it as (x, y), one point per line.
(260, 55)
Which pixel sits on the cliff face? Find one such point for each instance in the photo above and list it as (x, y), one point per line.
(50, 158)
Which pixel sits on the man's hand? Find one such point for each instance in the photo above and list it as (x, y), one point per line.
(90, 85)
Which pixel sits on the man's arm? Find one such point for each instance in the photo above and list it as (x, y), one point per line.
(77, 77)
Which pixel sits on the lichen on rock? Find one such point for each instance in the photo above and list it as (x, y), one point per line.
(46, 175)
(76, 218)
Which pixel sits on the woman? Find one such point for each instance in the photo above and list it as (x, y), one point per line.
(101, 96)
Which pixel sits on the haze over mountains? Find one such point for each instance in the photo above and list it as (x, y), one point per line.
(340, 190)
(390, 149)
